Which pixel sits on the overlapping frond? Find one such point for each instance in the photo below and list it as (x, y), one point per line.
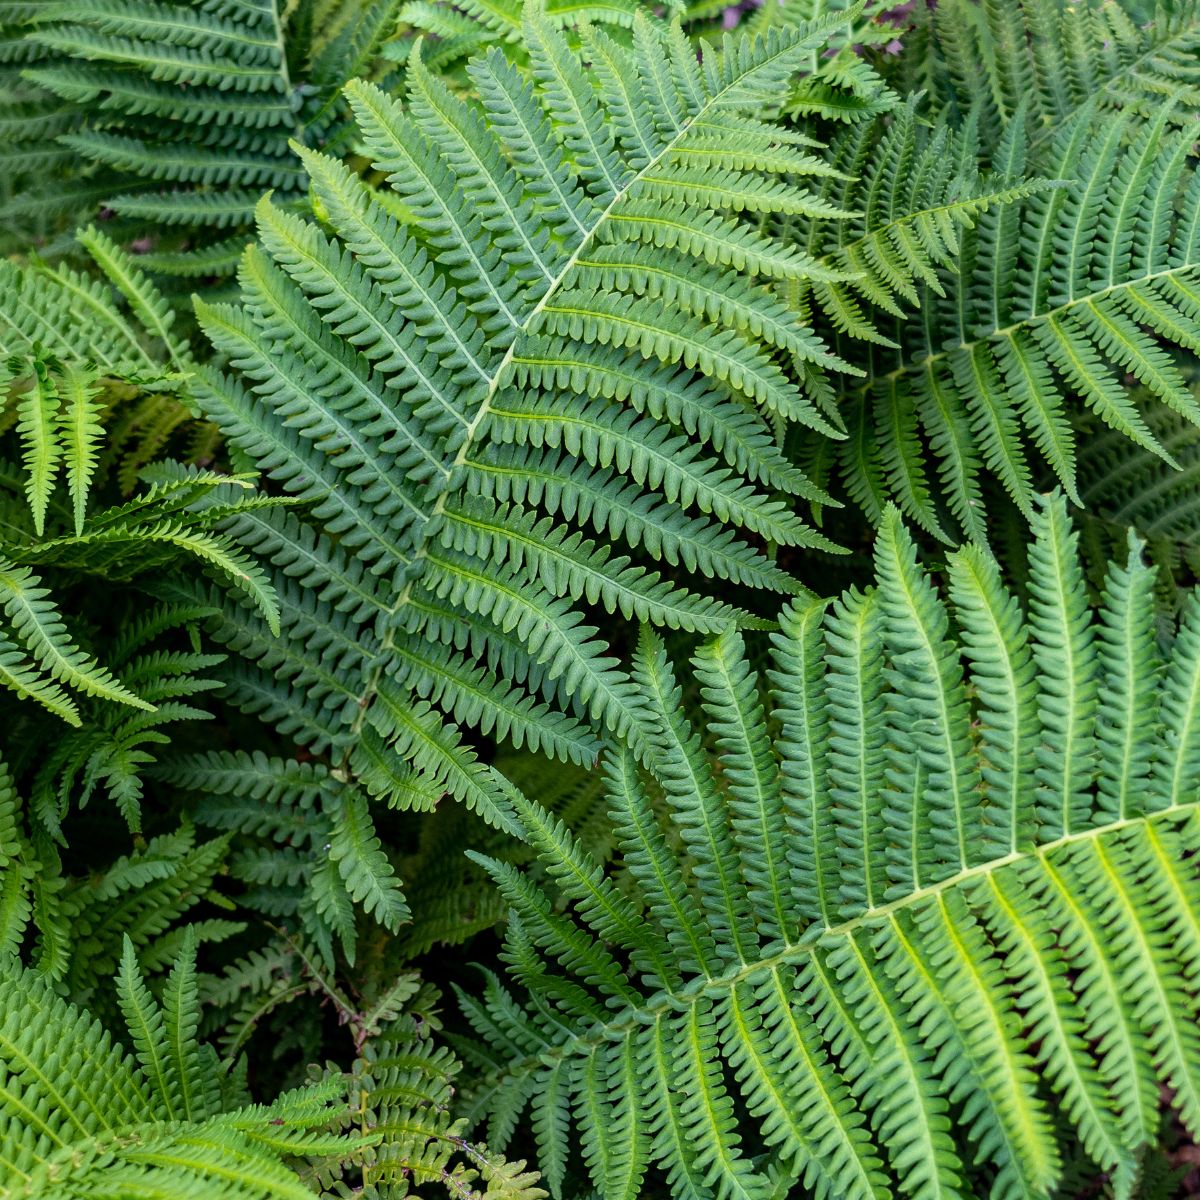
(172, 116)
(82, 1117)
(508, 415)
(952, 871)
(1051, 59)
(1126, 488)
(112, 321)
(309, 850)
(70, 926)
(1060, 299)
(178, 517)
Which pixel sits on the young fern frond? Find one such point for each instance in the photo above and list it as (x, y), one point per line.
(70, 927)
(177, 518)
(406, 1083)
(577, 359)
(847, 89)
(951, 871)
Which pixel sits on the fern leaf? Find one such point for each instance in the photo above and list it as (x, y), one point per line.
(81, 435)
(833, 1001)
(79, 1113)
(38, 428)
(411, 387)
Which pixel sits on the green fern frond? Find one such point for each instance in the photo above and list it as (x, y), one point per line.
(405, 1085)
(1061, 297)
(174, 520)
(176, 117)
(951, 872)
(62, 315)
(115, 747)
(1124, 488)
(1053, 59)
(71, 928)
(410, 390)
(333, 856)
(79, 1115)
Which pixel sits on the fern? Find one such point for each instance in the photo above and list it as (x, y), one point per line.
(1122, 490)
(406, 1091)
(942, 871)
(1062, 296)
(554, 322)
(65, 315)
(74, 401)
(81, 1116)
(315, 852)
(842, 86)
(58, 423)
(180, 114)
(1052, 60)
(412, 390)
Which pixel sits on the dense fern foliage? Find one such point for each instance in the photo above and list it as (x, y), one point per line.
(1059, 298)
(599, 601)
(491, 415)
(93, 1119)
(174, 117)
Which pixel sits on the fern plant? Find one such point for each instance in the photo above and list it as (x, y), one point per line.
(110, 318)
(845, 88)
(405, 1083)
(309, 852)
(490, 416)
(1053, 60)
(58, 412)
(82, 1117)
(554, 323)
(946, 871)
(179, 114)
(1054, 299)
(71, 928)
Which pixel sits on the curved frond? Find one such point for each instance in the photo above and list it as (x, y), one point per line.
(574, 235)
(79, 1115)
(952, 924)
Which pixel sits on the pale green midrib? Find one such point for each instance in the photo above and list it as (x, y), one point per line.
(501, 376)
(859, 633)
(819, 938)
(916, 365)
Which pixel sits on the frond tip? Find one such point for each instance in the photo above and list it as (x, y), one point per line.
(953, 869)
